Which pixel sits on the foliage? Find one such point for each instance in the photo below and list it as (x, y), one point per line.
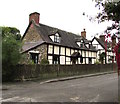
(97, 62)
(111, 10)
(102, 56)
(24, 60)
(10, 52)
(11, 31)
(44, 62)
(107, 10)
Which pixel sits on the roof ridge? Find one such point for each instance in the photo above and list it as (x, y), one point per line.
(60, 29)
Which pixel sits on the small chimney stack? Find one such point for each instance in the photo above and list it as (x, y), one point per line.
(34, 16)
(83, 34)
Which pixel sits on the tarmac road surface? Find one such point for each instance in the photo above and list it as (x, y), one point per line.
(102, 88)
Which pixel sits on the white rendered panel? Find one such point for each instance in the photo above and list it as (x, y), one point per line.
(62, 51)
(50, 49)
(68, 51)
(56, 50)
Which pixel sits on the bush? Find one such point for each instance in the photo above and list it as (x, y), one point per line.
(97, 62)
(10, 54)
(44, 62)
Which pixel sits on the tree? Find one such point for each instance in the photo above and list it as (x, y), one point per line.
(11, 31)
(109, 11)
(102, 56)
(10, 51)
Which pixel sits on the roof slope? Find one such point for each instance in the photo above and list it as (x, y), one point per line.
(67, 39)
(102, 43)
(30, 45)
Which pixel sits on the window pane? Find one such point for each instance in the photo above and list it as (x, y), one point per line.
(67, 58)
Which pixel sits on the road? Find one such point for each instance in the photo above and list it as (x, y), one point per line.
(103, 88)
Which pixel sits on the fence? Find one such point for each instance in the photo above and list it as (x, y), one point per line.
(28, 72)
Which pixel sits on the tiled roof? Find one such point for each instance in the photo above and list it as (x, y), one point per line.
(102, 43)
(67, 39)
(29, 45)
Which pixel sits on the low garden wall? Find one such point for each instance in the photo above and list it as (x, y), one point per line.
(29, 72)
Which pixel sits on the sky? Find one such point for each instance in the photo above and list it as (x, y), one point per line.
(63, 14)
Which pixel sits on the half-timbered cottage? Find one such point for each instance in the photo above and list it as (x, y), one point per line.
(57, 46)
(106, 48)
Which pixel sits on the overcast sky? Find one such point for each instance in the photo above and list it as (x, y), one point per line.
(63, 14)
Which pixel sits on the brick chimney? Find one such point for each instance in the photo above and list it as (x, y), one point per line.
(102, 37)
(34, 16)
(83, 33)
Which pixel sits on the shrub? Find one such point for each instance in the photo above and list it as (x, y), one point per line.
(44, 62)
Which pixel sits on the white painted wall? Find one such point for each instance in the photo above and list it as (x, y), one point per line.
(50, 49)
(87, 53)
(50, 58)
(72, 51)
(96, 44)
(86, 60)
(56, 50)
(83, 53)
(62, 51)
(68, 60)
(68, 51)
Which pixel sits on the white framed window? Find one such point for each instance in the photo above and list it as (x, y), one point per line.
(55, 38)
(80, 43)
(68, 60)
(56, 59)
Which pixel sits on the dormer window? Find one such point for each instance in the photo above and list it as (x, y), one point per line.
(55, 38)
(87, 45)
(80, 43)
